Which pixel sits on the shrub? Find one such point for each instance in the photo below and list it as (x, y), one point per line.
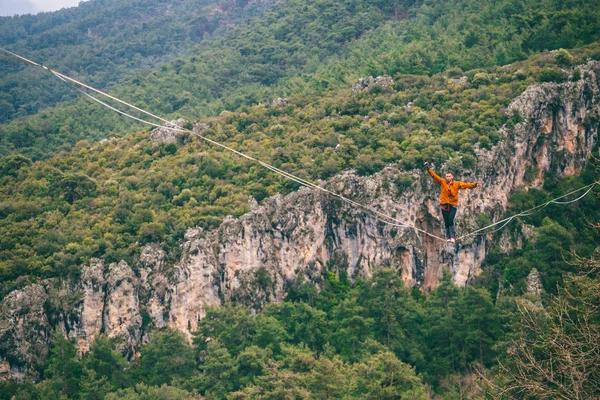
(519, 75)
(170, 148)
(563, 57)
(551, 74)
(367, 164)
(403, 182)
(530, 173)
(481, 78)
(455, 72)
(454, 165)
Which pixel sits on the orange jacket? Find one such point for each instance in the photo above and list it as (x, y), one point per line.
(449, 193)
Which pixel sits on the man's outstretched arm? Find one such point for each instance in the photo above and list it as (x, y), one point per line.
(465, 185)
(437, 178)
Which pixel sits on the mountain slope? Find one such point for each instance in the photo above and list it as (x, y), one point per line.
(311, 47)
(305, 237)
(102, 41)
(101, 199)
(241, 68)
(152, 258)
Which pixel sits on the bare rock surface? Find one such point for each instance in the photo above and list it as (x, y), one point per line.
(383, 83)
(168, 134)
(534, 285)
(279, 103)
(24, 332)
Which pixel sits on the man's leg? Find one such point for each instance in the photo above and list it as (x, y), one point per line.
(451, 215)
(446, 215)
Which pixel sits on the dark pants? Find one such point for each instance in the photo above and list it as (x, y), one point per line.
(449, 211)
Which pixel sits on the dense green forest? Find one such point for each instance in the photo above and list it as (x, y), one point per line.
(375, 339)
(66, 196)
(103, 41)
(346, 342)
(311, 48)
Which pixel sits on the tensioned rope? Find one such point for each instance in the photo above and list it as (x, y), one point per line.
(385, 218)
(382, 216)
(531, 211)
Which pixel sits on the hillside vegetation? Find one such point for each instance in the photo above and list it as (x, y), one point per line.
(242, 67)
(66, 196)
(104, 199)
(103, 41)
(300, 47)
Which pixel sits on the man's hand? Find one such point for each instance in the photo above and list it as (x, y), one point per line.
(479, 185)
(427, 164)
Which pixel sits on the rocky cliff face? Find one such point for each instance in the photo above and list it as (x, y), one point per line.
(253, 258)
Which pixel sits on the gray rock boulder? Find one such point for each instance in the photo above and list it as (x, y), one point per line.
(383, 83)
(167, 135)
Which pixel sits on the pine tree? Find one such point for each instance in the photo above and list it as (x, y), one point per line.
(166, 357)
(383, 376)
(64, 370)
(106, 362)
(94, 387)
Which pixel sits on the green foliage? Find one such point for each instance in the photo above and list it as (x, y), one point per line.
(481, 78)
(8, 389)
(299, 48)
(100, 200)
(11, 164)
(563, 57)
(102, 362)
(350, 329)
(142, 391)
(94, 387)
(239, 68)
(551, 74)
(235, 326)
(103, 44)
(548, 352)
(375, 324)
(557, 233)
(219, 371)
(371, 339)
(238, 351)
(383, 376)
(63, 369)
(378, 341)
(73, 187)
(104, 199)
(530, 173)
(395, 314)
(166, 358)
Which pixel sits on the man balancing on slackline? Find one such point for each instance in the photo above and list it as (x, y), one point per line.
(449, 198)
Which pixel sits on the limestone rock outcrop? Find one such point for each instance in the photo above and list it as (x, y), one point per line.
(168, 133)
(534, 285)
(279, 103)
(24, 331)
(383, 83)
